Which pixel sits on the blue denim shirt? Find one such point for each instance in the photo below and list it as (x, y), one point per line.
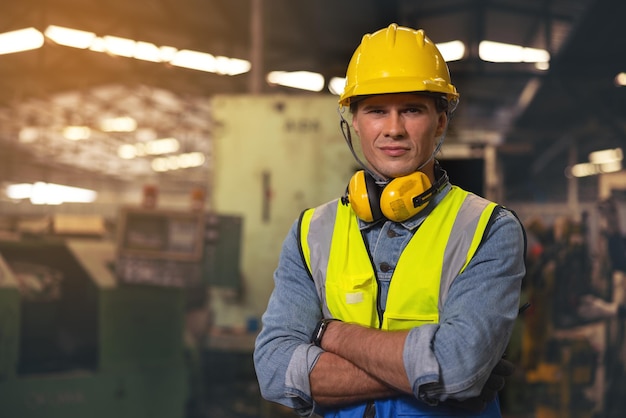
(451, 359)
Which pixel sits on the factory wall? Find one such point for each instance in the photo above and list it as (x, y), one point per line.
(274, 157)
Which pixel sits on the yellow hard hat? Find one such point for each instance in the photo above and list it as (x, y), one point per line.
(397, 60)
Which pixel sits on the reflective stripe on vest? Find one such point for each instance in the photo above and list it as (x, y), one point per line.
(438, 252)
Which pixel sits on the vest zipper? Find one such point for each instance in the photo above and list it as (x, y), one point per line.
(370, 408)
(379, 309)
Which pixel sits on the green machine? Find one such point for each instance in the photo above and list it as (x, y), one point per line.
(75, 341)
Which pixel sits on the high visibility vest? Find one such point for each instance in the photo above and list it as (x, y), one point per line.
(334, 251)
(441, 248)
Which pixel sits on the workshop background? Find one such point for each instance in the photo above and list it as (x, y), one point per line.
(153, 155)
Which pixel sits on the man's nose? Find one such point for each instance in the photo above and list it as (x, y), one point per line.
(394, 126)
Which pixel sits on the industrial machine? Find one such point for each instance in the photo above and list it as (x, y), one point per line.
(95, 327)
(77, 342)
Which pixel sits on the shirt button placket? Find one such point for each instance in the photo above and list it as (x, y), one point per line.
(391, 233)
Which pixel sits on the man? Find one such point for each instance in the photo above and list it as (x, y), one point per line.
(400, 297)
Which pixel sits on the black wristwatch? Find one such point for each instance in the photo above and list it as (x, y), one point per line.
(319, 330)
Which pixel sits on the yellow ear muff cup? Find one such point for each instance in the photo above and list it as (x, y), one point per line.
(364, 196)
(396, 200)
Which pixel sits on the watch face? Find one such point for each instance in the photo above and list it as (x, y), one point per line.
(318, 333)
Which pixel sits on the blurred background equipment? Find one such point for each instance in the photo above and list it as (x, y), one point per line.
(76, 342)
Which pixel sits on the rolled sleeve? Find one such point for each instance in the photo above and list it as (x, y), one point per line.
(297, 385)
(421, 365)
(284, 355)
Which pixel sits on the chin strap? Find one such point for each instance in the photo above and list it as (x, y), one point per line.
(347, 135)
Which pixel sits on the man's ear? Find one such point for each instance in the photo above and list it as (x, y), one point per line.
(354, 124)
(441, 123)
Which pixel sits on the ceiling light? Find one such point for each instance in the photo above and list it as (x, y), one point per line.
(160, 165)
(41, 193)
(501, 52)
(336, 85)
(600, 162)
(148, 52)
(145, 134)
(162, 146)
(121, 124)
(582, 170)
(130, 48)
(590, 169)
(76, 133)
(535, 55)
(452, 51)
(155, 147)
(70, 37)
(98, 45)
(167, 53)
(191, 159)
(203, 61)
(195, 60)
(20, 40)
(232, 66)
(28, 134)
(620, 79)
(611, 166)
(19, 191)
(127, 151)
(119, 46)
(177, 162)
(304, 80)
(606, 156)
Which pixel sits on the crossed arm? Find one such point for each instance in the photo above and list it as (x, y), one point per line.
(478, 314)
(358, 364)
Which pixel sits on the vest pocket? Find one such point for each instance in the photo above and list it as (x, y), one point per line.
(352, 298)
(396, 321)
(356, 288)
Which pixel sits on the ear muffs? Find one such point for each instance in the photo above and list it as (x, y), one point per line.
(364, 196)
(398, 199)
(401, 199)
